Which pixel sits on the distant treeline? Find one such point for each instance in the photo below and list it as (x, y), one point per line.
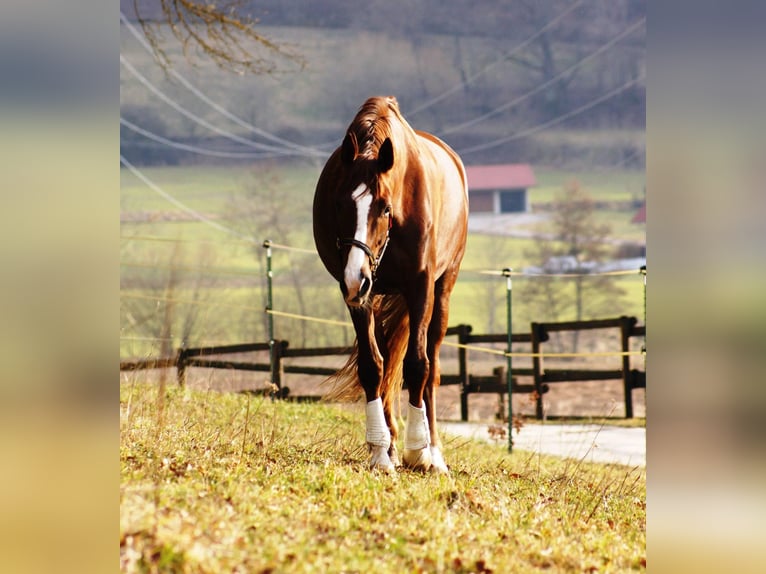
(483, 18)
(570, 54)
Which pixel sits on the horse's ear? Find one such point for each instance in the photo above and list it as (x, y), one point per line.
(386, 156)
(350, 149)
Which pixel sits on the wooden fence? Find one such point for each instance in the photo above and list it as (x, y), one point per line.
(469, 383)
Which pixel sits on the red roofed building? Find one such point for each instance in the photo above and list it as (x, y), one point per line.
(499, 188)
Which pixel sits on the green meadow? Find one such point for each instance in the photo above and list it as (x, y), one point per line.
(194, 267)
(224, 482)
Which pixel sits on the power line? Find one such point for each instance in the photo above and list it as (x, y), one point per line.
(149, 339)
(191, 148)
(195, 118)
(557, 120)
(197, 215)
(629, 30)
(194, 302)
(248, 242)
(603, 170)
(217, 107)
(192, 268)
(428, 103)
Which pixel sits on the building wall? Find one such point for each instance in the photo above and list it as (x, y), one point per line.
(499, 201)
(481, 202)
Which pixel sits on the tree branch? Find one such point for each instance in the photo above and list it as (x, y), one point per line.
(222, 33)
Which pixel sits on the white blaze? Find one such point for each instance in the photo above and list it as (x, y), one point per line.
(356, 257)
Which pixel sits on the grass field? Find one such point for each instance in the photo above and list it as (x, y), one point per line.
(213, 278)
(229, 483)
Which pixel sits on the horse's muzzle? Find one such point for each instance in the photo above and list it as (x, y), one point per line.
(355, 292)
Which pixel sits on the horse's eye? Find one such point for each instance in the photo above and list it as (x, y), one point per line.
(387, 210)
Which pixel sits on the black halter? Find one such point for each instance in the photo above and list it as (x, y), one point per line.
(374, 260)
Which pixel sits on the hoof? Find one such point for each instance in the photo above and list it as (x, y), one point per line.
(419, 459)
(437, 461)
(393, 454)
(380, 461)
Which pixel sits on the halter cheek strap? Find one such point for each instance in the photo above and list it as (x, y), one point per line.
(374, 260)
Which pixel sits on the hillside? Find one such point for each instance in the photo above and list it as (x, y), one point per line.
(495, 78)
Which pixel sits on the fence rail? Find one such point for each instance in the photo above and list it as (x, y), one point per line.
(469, 383)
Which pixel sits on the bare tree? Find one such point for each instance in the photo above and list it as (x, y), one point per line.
(578, 236)
(175, 290)
(260, 211)
(222, 31)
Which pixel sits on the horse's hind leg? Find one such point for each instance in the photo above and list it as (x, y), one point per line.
(393, 454)
(388, 396)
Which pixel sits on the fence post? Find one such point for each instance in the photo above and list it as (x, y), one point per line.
(537, 333)
(643, 347)
(463, 332)
(509, 370)
(642, 270)
(273, 359)
(626, 325)
(277, 351)
(181, 366)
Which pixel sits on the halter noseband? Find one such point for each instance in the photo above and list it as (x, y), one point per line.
(374, 260)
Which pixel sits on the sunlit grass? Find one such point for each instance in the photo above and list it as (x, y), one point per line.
(222, 482)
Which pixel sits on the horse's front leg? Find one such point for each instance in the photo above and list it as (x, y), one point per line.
(436, 332)
(417, 435)
(370, 371)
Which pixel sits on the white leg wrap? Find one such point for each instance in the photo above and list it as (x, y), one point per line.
(377, 429)
(378, 437)
(416, 454)
(416, 435)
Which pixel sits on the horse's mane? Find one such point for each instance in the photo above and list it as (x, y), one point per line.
(373, 124)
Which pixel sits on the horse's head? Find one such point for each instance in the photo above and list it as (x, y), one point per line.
(364, 216)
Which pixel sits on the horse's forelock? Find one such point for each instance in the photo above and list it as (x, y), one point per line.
(372, 125)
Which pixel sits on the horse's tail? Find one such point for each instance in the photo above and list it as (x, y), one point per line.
(392, 329)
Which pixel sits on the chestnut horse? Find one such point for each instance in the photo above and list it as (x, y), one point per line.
(390, 225)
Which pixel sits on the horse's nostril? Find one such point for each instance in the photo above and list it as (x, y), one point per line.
(364, 286)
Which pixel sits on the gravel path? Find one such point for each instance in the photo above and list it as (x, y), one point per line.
(592, 443)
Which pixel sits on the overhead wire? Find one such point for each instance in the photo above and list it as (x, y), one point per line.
(312, 151)
(210, 270)
(194, 213)
(191, 148)
(445, 94)
(248, 242)
(629, 30)
(306, 150)
(528, 274)
(276, 151)
(289, 248)
(557, 120)
(198, 302)
(347, 324)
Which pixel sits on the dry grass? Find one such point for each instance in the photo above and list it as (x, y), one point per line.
(214, 482)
